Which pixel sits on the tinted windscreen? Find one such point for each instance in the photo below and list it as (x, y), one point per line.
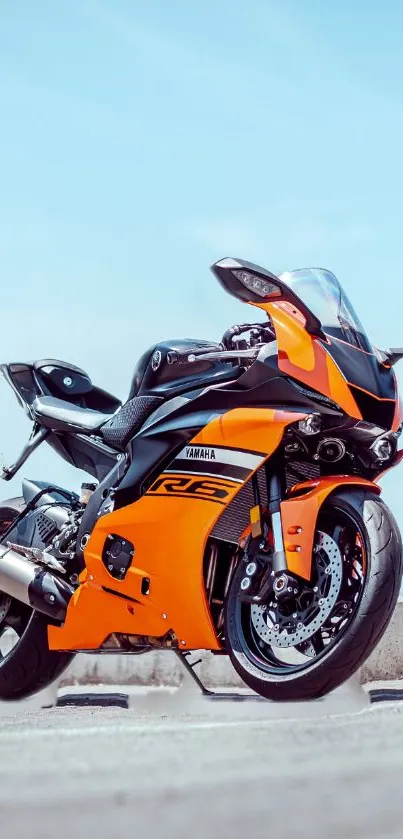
(321, 291)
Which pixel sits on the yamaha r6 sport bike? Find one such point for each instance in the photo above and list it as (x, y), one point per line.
(236, 506)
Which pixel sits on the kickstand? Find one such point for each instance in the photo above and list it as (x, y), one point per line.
(212, 694)
(184, 658)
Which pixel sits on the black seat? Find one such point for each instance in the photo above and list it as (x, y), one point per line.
(59, 415)
(116, 430)
(119, 429)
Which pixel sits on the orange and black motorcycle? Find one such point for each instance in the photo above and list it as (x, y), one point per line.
(236, 507)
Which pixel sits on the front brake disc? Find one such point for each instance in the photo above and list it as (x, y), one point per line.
(287, 630)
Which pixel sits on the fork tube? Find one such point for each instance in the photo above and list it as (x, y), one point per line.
(274, 499)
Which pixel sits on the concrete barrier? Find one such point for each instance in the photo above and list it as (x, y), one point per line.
(386, 662)
(163, 667)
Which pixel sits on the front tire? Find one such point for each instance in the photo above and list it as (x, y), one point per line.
(372, 610)
(26, 663)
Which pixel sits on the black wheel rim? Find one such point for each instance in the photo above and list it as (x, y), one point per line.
(347, 530)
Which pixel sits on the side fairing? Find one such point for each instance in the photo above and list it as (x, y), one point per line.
(169, 527)
(305, 358)
(363, 386)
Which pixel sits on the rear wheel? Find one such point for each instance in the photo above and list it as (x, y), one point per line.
(308, 644)
(26, 663)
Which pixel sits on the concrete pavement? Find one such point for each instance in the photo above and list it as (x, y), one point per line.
(177, 771)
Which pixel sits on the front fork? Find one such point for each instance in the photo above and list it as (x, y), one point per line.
(275, 492)
(275, 576)
(279, 563)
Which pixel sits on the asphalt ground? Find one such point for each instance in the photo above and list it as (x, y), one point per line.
(187, 770)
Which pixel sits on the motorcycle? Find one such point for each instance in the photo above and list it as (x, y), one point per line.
(234, 504)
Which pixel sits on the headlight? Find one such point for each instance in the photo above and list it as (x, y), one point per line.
(311, 424)
(383, 449)
(261, 286)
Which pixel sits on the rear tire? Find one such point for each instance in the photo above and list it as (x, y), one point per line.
(372, 614)
(29, 666)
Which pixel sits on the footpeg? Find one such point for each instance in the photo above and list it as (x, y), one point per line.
(37, 556)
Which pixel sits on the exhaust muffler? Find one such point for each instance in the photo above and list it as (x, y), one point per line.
(33, 584)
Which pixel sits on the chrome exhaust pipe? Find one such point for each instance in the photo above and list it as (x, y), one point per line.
(33, 584)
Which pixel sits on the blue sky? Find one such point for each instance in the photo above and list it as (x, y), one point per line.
(140, 141)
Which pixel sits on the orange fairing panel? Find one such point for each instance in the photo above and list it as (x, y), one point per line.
(169, 527)
(299, 516)
(304, 357)
(296, 347)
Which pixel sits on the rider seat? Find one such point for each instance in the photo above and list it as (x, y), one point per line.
(69, 402)
(116, 429)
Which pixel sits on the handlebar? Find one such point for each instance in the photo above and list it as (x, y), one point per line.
(237, 329)
(177, 357)
(261, 333)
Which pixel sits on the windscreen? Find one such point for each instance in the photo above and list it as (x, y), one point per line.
(321, 291)
(371, 382)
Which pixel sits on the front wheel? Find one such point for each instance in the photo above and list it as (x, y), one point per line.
(307, 645)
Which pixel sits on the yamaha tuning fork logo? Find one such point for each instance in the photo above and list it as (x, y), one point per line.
(156, 360)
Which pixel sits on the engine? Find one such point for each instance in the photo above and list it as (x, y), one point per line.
(63, 543)
(47, 536)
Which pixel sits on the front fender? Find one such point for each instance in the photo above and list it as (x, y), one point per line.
(299, 514)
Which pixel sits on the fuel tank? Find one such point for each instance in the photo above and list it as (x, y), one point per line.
(157, 372)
